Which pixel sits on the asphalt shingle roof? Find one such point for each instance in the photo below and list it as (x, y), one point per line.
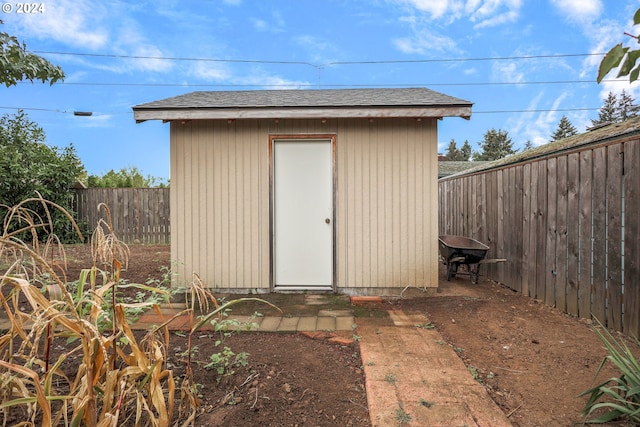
(328, 98)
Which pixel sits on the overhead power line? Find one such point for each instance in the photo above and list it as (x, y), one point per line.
(281, 62)
(553, 82)
(550, 110)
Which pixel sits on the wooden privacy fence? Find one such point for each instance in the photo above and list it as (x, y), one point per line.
(567, 221)
(139, 215)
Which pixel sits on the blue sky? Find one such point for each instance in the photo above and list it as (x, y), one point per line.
(522, 63)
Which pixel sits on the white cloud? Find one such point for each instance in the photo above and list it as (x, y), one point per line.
(427, 37)
(484, 13)
(435, 8)
(507, 72)
(270, 82)
(579, 11)
(73, 22)
(490, 13)
(275, 24)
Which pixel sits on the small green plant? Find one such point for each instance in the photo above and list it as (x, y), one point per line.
(622, 393)
(440, 342)
(427, 325)
(224, 362)
(370, 363)
(356, 338)
(401, 416)
(474, 373)
(458, 350)
(390, 378)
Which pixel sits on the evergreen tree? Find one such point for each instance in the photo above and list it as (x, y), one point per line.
(565, 129)
(626, 107)
(452, 151)
(465, 151)
(617, 109)
(495, 145)
(458, 155)
(608, 111)
(527, 145)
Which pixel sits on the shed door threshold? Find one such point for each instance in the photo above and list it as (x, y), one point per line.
(310, 289)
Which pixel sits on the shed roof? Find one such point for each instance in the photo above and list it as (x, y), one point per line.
(320, 103)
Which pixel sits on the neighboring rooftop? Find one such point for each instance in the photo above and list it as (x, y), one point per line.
(446, 168)
(322, 103)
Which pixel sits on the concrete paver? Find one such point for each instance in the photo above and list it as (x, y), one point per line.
(270, 324)
(326, 323)
(289, 324)
(307, 323)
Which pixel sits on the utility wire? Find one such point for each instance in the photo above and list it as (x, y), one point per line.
(52, 110)
(371, 62)
(555, 82)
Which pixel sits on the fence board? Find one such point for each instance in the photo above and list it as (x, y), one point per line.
(517, 228)
(500, 233)
(561, 226)
(598, 306)
(614, 236)
(573, 170)
(526, 227)
(492, 221)
(541, 226)
(631, 319)
(551, 208)
(585, 200)
(533, 231)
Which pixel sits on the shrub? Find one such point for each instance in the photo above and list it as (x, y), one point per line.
(621, 394)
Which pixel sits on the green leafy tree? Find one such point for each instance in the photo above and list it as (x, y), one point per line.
(16, 64)
(28, 165)
(495, 145)
(565, 129)
(129, 177)
(614, 57)
(528, 145)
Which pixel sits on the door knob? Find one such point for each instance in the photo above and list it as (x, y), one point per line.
(327, 220)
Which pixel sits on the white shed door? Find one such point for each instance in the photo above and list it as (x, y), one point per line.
(303, 214)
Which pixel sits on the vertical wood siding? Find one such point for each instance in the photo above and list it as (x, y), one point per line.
(567, 224)
(386, 205)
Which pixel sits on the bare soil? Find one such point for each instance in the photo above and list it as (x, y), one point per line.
(532, 359)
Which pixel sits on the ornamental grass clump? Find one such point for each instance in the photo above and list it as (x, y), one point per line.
(617, 398)
(106, 375)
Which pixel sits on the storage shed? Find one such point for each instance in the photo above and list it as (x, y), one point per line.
(305, 190)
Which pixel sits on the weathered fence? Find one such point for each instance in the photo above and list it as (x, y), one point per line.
(137, 214)
(566, 218)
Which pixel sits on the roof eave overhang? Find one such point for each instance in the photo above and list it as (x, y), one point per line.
(143, 114)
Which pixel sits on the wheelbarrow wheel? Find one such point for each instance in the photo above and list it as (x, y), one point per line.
(452, 269)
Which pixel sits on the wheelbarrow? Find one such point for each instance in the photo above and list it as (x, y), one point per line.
(460, 250)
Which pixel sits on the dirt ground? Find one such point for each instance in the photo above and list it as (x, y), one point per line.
(532, 359)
